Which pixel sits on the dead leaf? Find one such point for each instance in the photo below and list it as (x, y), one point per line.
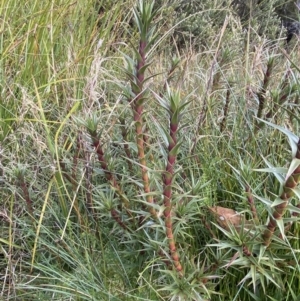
(227, 217)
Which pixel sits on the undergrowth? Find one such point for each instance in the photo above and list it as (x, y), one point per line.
(134, 171)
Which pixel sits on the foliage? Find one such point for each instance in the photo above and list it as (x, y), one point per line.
(195, 21)
(130, 173)
(198, 21)
(260, 15)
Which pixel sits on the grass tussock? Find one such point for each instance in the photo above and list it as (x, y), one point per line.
(135, 169)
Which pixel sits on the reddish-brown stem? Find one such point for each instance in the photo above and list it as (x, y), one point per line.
(262, 93)
(26, 196)
(66, 174)
(246, 251)
(115, 215)
(287, 193)
(141, 63)
(138, 118)
(88, 176)
(142, 159)
(168, 177)
(108, 174)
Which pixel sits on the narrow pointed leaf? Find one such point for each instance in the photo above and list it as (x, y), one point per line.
(276, 171)
(294, 165)
(280, 225)
(293, 208)
(137, 54)
(161, 101)
(282, 129)
(174, 151)
(293, 139)
(297, 192)
(144, 68)
(277, 202)
(264, 200)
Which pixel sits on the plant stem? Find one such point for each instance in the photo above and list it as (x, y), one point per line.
(108, 174)
(138, 107)
(286, 194)
(168, 178)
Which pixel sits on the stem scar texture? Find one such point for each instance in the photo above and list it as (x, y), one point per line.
(138, 109)
(287, 193)
(168, 178)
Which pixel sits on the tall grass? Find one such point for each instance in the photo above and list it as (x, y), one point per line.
(123, 161)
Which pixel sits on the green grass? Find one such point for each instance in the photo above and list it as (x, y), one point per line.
(114, 144)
